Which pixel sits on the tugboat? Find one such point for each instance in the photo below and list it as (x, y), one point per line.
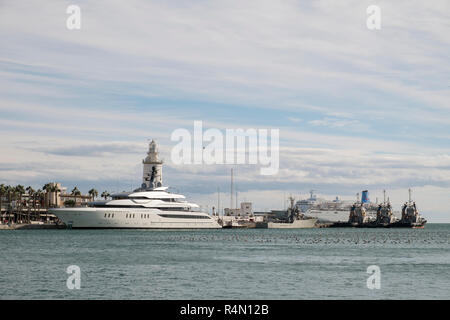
(410, 216)
(385, 215)
(358, 215)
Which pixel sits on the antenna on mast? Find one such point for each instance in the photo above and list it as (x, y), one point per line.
(291, 201)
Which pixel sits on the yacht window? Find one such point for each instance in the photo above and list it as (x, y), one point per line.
(105, 215)
(183, 216)
(127, 215)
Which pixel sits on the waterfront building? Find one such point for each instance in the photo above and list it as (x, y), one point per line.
(245, 210)
(28, 207)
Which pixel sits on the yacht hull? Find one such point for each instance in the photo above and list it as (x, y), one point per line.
(117, 218)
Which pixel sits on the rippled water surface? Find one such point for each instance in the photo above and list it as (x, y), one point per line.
(226, 264)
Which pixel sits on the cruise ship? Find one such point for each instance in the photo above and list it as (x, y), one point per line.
(324, 210)
(149, 207)
(336, 210)
(306, 204)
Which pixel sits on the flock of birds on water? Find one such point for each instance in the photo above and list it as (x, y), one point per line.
(336, 239)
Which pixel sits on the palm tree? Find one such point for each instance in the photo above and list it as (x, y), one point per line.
(31, 194)
(9, 190)
(3, 191)
(76, 193)
(93, 193)
(38, 194)
(11, 199)
(105, 194)
(47, 188)
(20, 190)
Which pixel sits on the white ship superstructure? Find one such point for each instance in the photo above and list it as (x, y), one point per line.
(306, 204)
(324, 210)
(150, 207)
(336, 210)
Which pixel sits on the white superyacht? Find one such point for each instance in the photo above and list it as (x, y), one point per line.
(150, 207)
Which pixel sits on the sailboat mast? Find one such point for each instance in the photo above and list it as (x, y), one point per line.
(218, 201)
(232, 191)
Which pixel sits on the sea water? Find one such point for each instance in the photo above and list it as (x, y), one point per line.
(226, 264)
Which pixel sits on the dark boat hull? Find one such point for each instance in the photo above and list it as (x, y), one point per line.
(398, 224)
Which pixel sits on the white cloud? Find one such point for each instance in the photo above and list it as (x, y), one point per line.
(338, 123)
(294, 119)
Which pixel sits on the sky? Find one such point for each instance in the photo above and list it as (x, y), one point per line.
(356, 108)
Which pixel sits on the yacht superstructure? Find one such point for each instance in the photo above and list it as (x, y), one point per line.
(150, 207)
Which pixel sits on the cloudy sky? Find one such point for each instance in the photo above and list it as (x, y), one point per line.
(356, 108)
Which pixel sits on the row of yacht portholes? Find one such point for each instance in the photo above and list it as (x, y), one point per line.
(128, 215)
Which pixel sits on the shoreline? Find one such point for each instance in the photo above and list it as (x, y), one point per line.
(26, 226)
